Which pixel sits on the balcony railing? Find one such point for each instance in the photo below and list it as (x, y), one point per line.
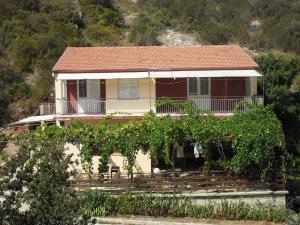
(215, 105)
(46, 109)
(91, 106)
(85, 106)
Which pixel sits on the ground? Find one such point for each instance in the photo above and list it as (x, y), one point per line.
(139, 220)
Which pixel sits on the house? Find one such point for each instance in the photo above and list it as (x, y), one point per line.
(96, 81)
(92, 82)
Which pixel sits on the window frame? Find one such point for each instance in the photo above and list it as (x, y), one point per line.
(86, 89)
(64, 91)
(127, 97)
(199, 88)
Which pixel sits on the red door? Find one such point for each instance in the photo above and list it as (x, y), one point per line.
(174, 89)
(218, 94)
(226, 92)
(72, 96)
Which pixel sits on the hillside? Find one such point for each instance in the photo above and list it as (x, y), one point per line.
(34, 33)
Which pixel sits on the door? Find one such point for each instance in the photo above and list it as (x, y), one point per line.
(218, 94)
(227, 93)
(70, 106)
(89, 96)
(82, 96)
(199, 92)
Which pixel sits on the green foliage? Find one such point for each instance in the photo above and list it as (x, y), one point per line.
(255, 138)
(97, 203)
(162, 134)
(34, 34)
(221, 22)
(102, 34)
(23, 51)
(8, 78)
(144, 30)
(3, 142)
(279, 74)
(36, 180)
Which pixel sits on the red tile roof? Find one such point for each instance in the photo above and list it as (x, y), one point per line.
(153, 58)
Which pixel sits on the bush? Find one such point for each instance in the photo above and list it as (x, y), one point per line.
(145, 30)
(37, 176)
(100, 33)
(97, 203)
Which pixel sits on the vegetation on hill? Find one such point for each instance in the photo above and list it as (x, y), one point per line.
(258, 24)
(33, 35)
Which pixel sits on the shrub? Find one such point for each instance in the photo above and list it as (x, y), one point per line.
(37, 177)
(97, 203)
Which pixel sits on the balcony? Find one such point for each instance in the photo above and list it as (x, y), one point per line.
(216, 105)
(140, 106)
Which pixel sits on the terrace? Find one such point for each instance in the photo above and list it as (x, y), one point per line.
(141, 106)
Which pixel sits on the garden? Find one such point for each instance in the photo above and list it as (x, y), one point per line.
(252, 140)
(40, 167)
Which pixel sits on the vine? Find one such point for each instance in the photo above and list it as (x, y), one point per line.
(254, 138)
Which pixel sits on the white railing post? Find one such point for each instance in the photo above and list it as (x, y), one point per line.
(95, 106)
(215, 105)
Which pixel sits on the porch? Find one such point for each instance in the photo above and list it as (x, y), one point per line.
(139, 95)
(140, 106)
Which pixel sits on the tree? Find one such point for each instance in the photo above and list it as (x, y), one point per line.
(144, 30)
(36, 187)
(279, 74)
(7, 78)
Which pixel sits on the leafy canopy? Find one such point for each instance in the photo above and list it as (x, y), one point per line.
(255, 138)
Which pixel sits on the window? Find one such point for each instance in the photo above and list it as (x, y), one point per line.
(193, 86)
(199, 86)
(82, 89)
(204, 86)
(128, 89)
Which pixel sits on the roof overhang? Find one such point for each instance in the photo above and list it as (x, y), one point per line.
(206, 73)
(159, 74)
(35, 119)
(97, 76)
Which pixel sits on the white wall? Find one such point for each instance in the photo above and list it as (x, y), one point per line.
(145, 102)
(142, 165)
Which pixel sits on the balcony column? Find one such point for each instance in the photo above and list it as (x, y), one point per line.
(58, 95)
(226, 94)
(253, 86)
(149, 86)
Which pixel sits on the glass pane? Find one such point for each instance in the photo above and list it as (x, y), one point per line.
(128, 89)
(204, 86)
(192, 86)
(82, 89)
(132, 92)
